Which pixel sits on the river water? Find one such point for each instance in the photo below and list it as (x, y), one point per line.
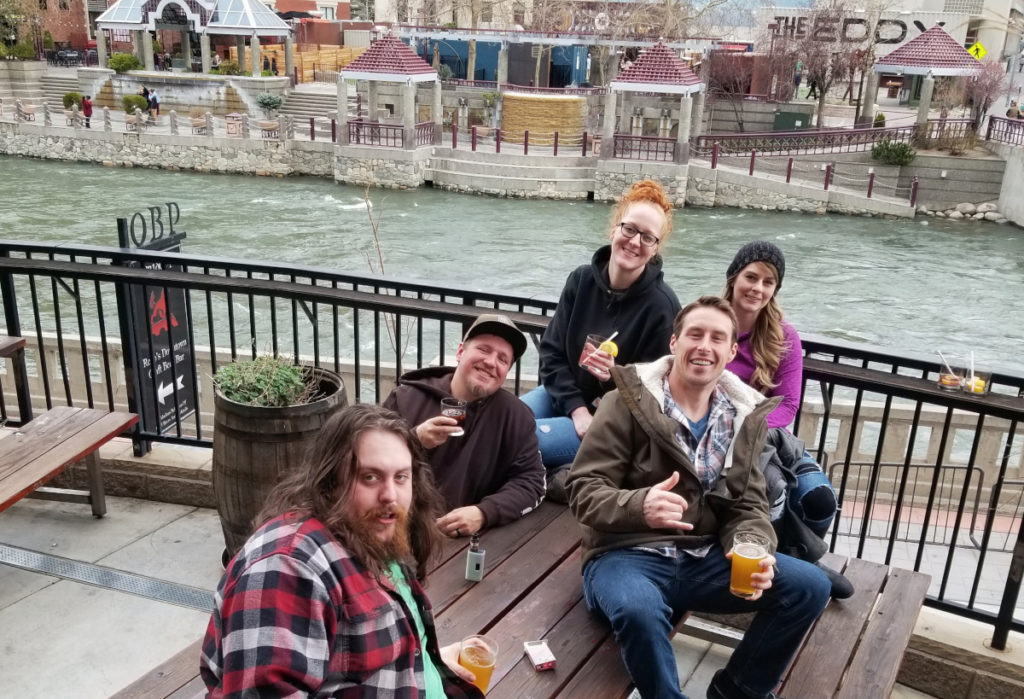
(904, 286)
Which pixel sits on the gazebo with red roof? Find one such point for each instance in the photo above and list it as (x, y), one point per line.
(658, 69)
(932, 53)
(389, 59)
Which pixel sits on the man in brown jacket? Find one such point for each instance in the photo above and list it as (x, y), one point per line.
(665, 478)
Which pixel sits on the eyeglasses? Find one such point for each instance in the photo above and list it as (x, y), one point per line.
(629, 231)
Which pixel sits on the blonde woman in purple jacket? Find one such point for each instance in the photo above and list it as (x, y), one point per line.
(769, 356)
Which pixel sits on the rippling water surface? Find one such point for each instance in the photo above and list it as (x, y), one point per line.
(906, 286)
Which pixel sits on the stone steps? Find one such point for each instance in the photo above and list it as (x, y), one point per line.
(303, 105)
(54, 87)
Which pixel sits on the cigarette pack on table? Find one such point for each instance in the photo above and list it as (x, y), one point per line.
(540, 655)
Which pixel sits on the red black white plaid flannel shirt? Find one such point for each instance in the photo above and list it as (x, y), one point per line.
(296, 615)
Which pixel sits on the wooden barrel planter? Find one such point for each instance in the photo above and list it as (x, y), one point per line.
(253, 447)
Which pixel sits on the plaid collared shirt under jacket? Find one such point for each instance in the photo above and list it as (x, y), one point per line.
(295, 616)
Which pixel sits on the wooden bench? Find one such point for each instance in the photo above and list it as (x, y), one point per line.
(532, 589)
(36, 452)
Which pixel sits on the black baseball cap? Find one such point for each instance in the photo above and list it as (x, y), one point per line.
(503, 327)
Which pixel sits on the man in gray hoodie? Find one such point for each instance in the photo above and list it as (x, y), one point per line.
(488, 467)
(665, 478)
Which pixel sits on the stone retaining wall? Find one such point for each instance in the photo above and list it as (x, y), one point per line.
(390, 168)
(121, 149)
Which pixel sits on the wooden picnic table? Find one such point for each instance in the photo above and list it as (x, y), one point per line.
(532, 590)
(38, 451)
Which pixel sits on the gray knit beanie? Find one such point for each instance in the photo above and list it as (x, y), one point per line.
(758, 251)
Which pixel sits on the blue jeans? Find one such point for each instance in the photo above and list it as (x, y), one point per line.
(642, 594)
(814, 501)
(555, 433)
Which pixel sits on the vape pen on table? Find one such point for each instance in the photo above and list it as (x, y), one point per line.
(475, 559)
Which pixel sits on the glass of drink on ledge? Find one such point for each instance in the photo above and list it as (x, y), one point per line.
(455, 409)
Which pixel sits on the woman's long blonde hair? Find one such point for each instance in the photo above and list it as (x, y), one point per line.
(767, 340)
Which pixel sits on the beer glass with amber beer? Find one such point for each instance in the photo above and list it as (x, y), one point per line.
(478, 654)
(747, 551)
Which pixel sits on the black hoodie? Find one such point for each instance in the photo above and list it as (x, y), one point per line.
(495, 465)
(642, 315)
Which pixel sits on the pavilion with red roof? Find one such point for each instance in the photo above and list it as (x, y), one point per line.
(390, 60)
(934, 51)
(930, 54)
(659, 70)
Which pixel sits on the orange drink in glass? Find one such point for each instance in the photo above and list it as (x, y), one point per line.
(747, 551)
(478, 655)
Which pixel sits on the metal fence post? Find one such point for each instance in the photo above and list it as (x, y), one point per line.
(312, 129)
(334, 131)
(988, 131)
(472, 139)
(497, 140)
(828, 175)
(714, 155)
(526, 142)
(584, 144)
(913, 192)
(556, 143)
(789, 170)
(753, 157)
(871, 181)
(455, 134)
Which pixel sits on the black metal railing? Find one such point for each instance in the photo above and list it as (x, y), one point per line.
(927, 479)
(826, 140)
(1005, 130)
(629, 147)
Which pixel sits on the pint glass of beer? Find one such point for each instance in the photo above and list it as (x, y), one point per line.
(478, 655)
(747, 551)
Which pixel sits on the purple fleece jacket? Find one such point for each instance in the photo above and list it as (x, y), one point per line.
(789, 377)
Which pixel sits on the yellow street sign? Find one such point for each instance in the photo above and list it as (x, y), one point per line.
(977, 50)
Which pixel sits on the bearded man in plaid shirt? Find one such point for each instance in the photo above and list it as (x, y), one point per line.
(325, 598)
(666, 476)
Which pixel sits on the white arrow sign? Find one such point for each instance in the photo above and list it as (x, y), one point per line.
(165, 390)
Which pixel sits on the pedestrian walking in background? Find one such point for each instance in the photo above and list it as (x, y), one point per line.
(87, 110)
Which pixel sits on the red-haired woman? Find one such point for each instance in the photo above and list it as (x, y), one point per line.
(621, 291)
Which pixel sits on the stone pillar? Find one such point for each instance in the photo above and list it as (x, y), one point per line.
(101, 48)
(137, 48)
(107, 125)
(289, 56)
(502, 75)
(254, 48)
(867, 107)
(927, 88)
(437, 111)
(204, 50)
(608, 128)
(697, 118)
(371, 101)
(409, 114)
(147, 51)
(174, 122)
(683, 130)
(342, 110)
(186, 51)
(471, 61)
(240, 48)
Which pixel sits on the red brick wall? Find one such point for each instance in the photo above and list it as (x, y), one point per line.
(65, 25)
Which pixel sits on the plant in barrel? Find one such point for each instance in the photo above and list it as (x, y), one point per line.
(267, 412)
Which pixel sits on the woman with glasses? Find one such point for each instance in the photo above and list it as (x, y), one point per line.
(622, 292)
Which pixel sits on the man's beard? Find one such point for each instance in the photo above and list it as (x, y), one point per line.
(365, 529)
